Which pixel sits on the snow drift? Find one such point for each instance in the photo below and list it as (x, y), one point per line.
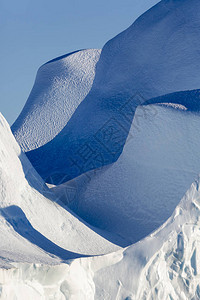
(157, 55)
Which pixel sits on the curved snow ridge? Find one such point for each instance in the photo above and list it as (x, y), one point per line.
(28, 208)
(60, 86)
(157, 55)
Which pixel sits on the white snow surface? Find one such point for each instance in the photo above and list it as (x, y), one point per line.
(60, 86)
(165, 265)
(28, 214)
(157, 55)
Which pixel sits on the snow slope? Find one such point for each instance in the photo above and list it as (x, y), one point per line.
(60, 86)
(28, 210)
(165, 265)
(157, 55)
(136, 194)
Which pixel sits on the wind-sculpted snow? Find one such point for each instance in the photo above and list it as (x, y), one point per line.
(165, 265)
(60, 86)
(29, 215)
(157, 55)
(125, 147)
(139, 192)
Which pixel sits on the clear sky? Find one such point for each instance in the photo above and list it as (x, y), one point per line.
(35, 31)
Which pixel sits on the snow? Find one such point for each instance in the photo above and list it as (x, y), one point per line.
(60, 86)
(139, 192)
(157, 55)
(162, 266)
(116, 227)
(28, 209)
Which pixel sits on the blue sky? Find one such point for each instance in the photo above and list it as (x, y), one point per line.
(33, 32)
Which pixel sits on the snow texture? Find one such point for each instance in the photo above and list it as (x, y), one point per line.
(60, 86)
(128, 188)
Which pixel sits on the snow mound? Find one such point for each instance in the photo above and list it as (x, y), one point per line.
(157, 55)
(136, 194)
(29, 215)
(60, 86)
